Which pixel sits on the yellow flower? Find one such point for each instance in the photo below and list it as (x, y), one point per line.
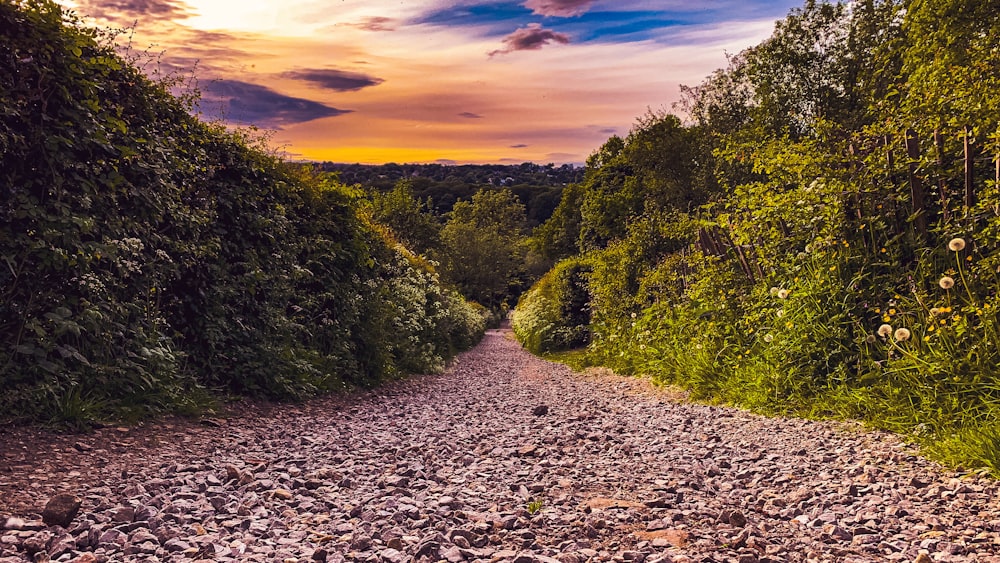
(931, 328)
(892, 311)
(878, 309)
(956, 244)
(886, 318)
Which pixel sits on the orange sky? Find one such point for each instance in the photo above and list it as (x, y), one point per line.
(428, 81)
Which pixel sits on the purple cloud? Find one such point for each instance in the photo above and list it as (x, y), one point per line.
(519, 146)
(132, 9)
(560, 8)
(331, 79)
(470, 115)
(530, 38)
(243, 102)
(376, 23)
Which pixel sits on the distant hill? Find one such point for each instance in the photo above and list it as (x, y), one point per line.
(539, 187)
(384, 176)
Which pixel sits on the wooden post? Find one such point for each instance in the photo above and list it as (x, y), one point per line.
(855, 197)
(970, 191)
(942, 183)
(918, 208)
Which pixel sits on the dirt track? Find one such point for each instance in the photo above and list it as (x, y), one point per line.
(466, 466)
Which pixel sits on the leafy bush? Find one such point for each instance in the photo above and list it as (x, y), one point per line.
(554, 314)
(148, 258)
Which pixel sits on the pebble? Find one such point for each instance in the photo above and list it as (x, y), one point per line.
(503, 458)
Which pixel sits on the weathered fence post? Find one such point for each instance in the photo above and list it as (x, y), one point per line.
(942, 183)
(916, 186)
(970, 191)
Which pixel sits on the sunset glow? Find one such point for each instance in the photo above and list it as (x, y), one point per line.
(426, 81)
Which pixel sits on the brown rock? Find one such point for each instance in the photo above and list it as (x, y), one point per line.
(923, 558)
(61, 509)
(676, 538)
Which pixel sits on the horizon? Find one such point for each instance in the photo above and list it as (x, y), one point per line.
(434, 82)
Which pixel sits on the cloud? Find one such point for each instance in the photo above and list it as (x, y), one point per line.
(331, 79)
(246, 103)
(519, 146)
(133, 9)
(559, 8)
(470, 115)
(446, 161)
(376, 23)
(530, 38)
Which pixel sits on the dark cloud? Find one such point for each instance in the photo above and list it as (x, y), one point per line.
(519, 146)
(446, 161)
(608, 131)
(136, 9)
(470, 115)
(530, 38)
(332, 79)
(242, 102)
(560, 8)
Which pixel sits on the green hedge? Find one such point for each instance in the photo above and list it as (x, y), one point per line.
(146, 256)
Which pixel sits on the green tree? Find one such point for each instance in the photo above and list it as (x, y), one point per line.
(408, 218)
(482, 247)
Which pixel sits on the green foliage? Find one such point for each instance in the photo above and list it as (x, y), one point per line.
(407, 217)
(554, 314)
(812, 281)
(483, 248)
(147, 257)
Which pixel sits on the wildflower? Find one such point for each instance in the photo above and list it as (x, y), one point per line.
(935, 311)
(870, 339)
(633, 315)
(892, 311)
(901, 334)
(782, 294)
(774, 291)
(780, 313)
(768, 337)
(947, 282)
(884, 331)
(956, 244)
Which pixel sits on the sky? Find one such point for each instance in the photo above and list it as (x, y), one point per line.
(467, 81)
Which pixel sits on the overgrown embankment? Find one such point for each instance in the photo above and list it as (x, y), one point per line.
(822, 239)
(149, 258)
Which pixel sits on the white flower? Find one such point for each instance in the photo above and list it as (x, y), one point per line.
(902, 334)
(956, 244)
(947, 282)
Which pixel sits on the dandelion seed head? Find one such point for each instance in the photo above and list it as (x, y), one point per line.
(768, 337)
(870, 339)
(956, 244)
(774, 290)
(901, 334)
(783, 294)
(946, 282)
(884, 331)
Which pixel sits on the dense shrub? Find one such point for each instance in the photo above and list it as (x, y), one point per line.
(554, 314)
(148, 257)
(850, 265)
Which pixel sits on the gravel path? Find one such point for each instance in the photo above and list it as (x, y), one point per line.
(504, 458)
